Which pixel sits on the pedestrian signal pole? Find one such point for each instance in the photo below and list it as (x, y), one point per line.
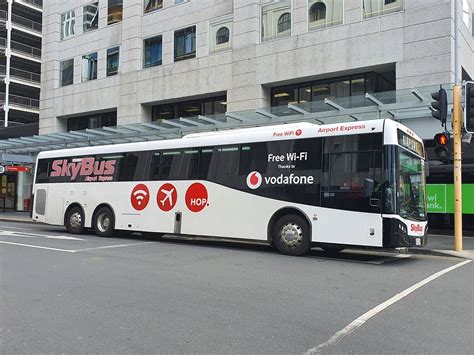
(457, 130)
(457, 134)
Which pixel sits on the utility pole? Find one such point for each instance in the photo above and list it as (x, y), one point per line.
(457, 132)
(8, 53)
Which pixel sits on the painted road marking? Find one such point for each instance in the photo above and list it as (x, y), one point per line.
(34, 235)
(357, 323)
(75, 251)
(37, 247)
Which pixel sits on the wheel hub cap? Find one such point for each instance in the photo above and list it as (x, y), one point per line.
(291, 234)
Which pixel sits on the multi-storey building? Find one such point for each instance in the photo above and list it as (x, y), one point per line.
(110, 62)
(20, 66)
(20, 74)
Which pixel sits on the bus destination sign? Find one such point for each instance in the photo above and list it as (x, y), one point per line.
(410, 143)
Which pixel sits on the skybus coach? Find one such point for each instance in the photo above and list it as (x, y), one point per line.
(359, 184)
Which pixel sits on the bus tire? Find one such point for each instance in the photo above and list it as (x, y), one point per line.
(74, 220)
(291, 235)
(332, 249)
(104, 222)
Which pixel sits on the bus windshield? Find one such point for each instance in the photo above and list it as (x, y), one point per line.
(410, 187)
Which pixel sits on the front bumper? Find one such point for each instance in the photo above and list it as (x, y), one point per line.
(395, 235)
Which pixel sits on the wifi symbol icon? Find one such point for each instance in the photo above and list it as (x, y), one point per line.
(140, 197)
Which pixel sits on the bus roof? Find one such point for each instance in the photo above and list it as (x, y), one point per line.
(232, 136)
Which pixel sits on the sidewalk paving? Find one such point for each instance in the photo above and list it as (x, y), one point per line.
(439, 245)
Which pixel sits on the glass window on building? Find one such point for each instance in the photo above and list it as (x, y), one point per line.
(68, 23)
(324, 13)
(276, 20)
(153, 51)
(220, 32)
(152, 5)
(114, 11)
(113, 57)
(190, 108)
(89, 67)
(374, 8)
(97, 120)
(90, 17)
(357, 84)
(67, 72)
(185, 43)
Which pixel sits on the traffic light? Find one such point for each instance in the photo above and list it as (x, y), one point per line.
(469, 109)
(440, 105)
(442, 148)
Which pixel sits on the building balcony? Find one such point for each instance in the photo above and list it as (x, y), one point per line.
(22, 77)
(20, 103)
(21, 50)
(32, 4)
(22, 24)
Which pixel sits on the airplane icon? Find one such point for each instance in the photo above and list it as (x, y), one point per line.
(169, 197)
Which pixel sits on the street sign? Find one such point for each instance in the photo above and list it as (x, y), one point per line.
(17, 169)
(2, 169)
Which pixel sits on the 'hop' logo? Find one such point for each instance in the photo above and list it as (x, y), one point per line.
(254, 180)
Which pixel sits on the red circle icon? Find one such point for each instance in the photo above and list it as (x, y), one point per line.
(254, 180)
(196, 197)
(299, 132)
(167, 197)
(140, 197)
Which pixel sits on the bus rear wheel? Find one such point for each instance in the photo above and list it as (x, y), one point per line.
(291, 235)
(104, 222)
(74, 221)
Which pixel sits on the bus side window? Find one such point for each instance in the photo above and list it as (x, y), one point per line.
(205, 159)
(253, 157)
(169, 164)
(154, 166)
(129, 167)
(42, 171)
(188, 168)
(228, 162)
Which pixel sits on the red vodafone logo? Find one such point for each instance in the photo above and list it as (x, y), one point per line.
(254, 180)
(167, 197)
(299, 132)
(196, 197)
(140, 197)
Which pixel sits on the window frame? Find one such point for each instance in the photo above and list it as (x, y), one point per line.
(185, 56)
(280, 23)
(84, 30)
(383, 11)
(108, 54)
(151, 65)
(70, 21)
(145, 12)
(61, 72)
(109, 14)
(89, 77)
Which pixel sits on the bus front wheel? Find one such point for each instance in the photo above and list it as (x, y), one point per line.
(104, 222)
(291, 235)
(74, 221)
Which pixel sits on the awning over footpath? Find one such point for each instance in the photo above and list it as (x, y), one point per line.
(400, 105)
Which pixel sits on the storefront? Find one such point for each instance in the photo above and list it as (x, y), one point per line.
(16, 182)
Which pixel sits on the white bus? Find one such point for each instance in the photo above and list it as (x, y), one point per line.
(296, 186)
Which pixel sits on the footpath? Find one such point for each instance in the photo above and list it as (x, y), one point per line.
(438, 245)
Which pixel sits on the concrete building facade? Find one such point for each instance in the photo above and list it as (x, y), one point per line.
(108, 62)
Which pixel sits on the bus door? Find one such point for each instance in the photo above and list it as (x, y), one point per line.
(350, 191)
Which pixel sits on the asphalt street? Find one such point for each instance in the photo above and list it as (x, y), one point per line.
(83, 294)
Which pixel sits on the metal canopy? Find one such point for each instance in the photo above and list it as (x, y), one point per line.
(398, 105)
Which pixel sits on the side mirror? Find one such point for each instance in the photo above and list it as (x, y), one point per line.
(427, 169)
(368, 187)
